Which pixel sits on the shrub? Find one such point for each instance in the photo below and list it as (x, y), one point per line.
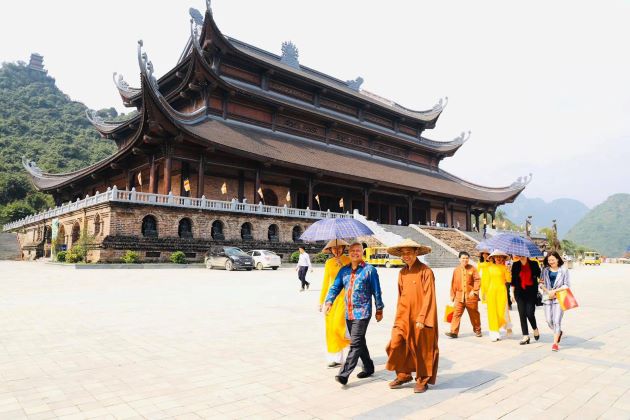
(130, 257)
(294, 257)
(72, 257)
(178, 257)
(320, 258)
(61, 256)
(80, 251)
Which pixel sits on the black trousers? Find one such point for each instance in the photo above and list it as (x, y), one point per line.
(358, 348)
(507, 286)
(302, 270)
(526, 312)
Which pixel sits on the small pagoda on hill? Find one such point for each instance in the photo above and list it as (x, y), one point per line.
(235, 143)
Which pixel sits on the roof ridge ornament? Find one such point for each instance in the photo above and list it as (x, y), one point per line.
(209, 6)
(355, 84)
(290, 54)
(146, 66)
(522, 181)
(31, 166)
(441, 104)
(463, 137)
(122, 84)
(196, 15)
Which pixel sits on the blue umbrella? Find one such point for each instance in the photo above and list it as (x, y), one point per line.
(339, 228)
(513, 244)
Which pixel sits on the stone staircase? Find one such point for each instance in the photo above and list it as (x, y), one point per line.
(438, 258)
(9, 247)
(453, 238)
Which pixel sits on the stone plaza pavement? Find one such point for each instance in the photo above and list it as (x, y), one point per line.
(197, 343)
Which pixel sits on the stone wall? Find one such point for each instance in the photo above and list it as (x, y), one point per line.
(115, 228)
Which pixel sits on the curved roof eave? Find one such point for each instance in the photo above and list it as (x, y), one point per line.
(211, 33)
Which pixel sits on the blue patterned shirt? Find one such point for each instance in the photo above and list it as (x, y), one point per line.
(359, 286)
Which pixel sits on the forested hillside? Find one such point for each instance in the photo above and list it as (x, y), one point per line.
(606, 227)
(40, 122)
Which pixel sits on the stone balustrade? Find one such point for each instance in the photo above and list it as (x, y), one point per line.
(170, 200)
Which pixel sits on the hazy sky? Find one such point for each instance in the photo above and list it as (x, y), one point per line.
(544, 86)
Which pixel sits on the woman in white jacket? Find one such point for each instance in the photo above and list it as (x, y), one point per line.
(555, 277)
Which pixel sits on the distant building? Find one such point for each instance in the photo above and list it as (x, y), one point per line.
(37, 63)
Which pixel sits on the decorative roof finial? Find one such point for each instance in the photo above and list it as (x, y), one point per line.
(196, 15)
(146, 66)
(209, 6)
(290, 54)
(31, 166)
(355, 84)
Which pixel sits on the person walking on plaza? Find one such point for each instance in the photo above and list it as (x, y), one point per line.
(414, 343)
(493, 292)
(465, 286)
(525, 275)
(360, 283)
(555, 277)
(303, 265)
(336, 337)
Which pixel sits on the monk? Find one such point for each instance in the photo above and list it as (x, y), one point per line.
(465, 295)
(414, 343)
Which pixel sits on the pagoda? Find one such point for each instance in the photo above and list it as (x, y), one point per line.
(236, 143)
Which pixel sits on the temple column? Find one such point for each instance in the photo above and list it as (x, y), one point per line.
(477, 219)
(241, 185)
(410, 216)
(310, 193)
(201, 172)
(446, 213)
(128, 180)
(168, 166)
(467, 218)
(152, 180)
(366, 207)
(257, 187)
(452, 215)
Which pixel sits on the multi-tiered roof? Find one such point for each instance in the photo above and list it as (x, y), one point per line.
(228, 96)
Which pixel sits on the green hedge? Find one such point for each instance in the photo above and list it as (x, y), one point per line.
(178, 257)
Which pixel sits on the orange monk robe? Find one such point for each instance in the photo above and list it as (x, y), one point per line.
(413, 349)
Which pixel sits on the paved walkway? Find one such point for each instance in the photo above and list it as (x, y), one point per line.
(199, 343)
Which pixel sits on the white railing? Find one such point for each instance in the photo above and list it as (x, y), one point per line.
(170, 200)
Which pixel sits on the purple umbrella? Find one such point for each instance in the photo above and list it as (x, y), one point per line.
(338, 228)
(513, 244)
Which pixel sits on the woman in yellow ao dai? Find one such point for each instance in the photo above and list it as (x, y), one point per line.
(336, 336)
(493, 292)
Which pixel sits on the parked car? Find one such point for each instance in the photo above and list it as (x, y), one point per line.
(265, 259)
(230, 258)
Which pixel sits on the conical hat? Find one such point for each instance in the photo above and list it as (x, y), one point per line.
(332, 243)
(496, 253)
(408, 243)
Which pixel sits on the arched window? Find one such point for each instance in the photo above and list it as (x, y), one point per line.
(76, 232)
(97, 224)
(149, 227)
(246, 232)
(273, 233)
(217, 231)
(269, 197)
(185, 228)
(296, 233)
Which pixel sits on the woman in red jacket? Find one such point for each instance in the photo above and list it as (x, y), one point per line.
(525, 274)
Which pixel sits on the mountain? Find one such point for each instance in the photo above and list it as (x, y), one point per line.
(605, 228)
(566, 211)
(40, 122)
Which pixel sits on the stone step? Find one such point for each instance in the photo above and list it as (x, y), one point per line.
(9, 247)
(453, 238)
(438, 258)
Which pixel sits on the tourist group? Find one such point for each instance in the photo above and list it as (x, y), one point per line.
(350, 284)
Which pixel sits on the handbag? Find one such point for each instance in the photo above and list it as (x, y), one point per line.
(566, 299)
(539, 299)
(448, 313)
